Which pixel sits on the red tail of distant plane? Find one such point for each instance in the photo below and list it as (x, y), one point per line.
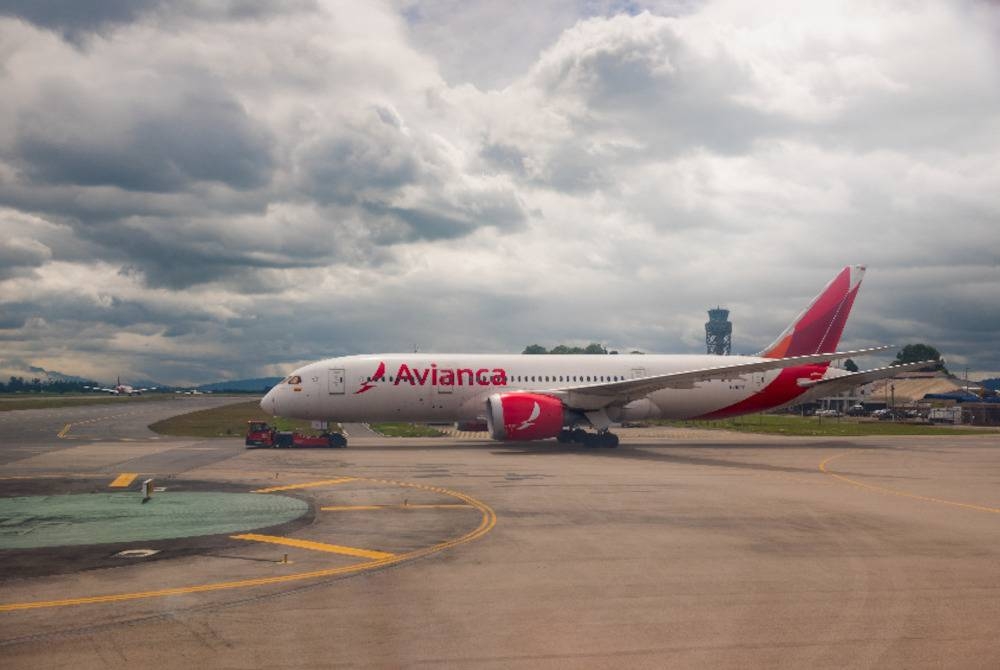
(818, 328)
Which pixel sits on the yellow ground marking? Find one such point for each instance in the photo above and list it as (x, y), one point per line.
(355, 508)
(486, 523)
(65, 429)
(897, 492)
(306, 485)
(123, 480)
(315, 546)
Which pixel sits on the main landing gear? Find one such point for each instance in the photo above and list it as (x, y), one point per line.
(602, 438)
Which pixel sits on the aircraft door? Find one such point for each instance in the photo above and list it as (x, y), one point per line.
(335, 381)
(638, 373)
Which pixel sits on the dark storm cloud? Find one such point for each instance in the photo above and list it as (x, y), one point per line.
(107, 311)
(19, 256)
(503, 157)
(74, 20)
(72, 135)
(359, 166)
(372, 163)
(162, 258)
(640, 73)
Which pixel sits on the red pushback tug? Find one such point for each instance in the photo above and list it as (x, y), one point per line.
(262, 434)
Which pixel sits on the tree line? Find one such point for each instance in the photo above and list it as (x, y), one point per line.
(37, 385)
(592, 348)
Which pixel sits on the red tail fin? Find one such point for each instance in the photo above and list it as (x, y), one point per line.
(817, 329)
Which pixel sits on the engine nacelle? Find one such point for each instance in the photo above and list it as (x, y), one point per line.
(523, 416)
(637, 410)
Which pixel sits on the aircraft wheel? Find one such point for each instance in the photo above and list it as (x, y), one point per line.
(580, 436)
(338, 441)
(609, 440)
(564, 436)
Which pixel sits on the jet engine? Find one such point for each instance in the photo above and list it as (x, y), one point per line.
(523, 416)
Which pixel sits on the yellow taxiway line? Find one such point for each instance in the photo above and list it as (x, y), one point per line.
(123, 480)
(306, 485)
(315, 546)
(356, 508)
(897, 492)
(486, 523)
(65, 429)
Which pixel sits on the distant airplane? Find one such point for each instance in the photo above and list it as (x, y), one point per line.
(531, 397)
(121, 389)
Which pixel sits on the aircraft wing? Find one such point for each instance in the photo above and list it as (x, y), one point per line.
(834, 385)
(596, 396)
(98, 388)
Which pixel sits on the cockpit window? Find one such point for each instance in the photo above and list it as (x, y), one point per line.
(295, 379)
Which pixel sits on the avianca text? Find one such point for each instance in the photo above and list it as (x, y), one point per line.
(436, 376)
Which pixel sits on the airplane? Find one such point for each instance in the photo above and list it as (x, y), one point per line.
(531, 397)
(120, 389)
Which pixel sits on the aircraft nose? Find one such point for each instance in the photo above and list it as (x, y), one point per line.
(267, 403)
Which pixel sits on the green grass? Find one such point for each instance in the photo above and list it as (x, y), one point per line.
(405, 430)
(787, 424)
(42, 401)
(228, 421)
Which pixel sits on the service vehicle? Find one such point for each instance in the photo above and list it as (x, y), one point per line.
(263, 434)
(945, 415)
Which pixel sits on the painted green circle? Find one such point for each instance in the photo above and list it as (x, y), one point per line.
(98, 518)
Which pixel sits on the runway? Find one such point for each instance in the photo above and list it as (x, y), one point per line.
(680, 548)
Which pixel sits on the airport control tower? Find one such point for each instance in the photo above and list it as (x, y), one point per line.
(719, 332)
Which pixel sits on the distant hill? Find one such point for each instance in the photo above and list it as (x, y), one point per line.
(20, 368)
(241, 385)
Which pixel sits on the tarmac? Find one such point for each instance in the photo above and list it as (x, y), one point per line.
(681, 548)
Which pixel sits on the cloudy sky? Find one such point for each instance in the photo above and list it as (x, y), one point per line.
(193, 190)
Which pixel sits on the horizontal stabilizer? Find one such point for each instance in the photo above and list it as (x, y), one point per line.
(856, 379)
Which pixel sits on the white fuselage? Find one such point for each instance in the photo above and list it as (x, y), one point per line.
(454, 387)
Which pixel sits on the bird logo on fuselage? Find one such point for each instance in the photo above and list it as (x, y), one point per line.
(370, 384)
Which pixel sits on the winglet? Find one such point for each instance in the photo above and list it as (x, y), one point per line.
(818, 328)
